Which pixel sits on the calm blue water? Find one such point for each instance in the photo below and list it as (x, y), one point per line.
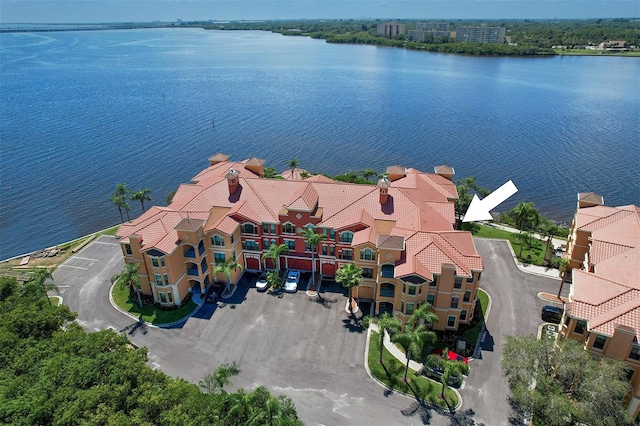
(82, 111)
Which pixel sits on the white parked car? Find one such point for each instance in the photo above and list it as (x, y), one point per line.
(291, 283)
(261, 284)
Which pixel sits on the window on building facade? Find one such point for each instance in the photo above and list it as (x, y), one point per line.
(158, 279)
(387, 271)
(463, 315)
(250, 245)
(387, 290)
(345, 237)
(346, 254)
(635, 352)
(324, 249)
(170, 297)
(266, 243)
(219, 258)
(291, 244)
(479, 275)
(458, 283)
(599, 342)
(249, 228)
(307, 247)
(231, 236)
(162, 262)
(166, 279)
(431, 298)
(580, 327)
(410, 307)
(332, 250)
(629, 372)
(367, 272)
(203, 265)
(163, 298)
(454, 302)
(127, 248)
(269, 228)
(451, 321)
(367, 254)
(288, 228)
(467, 296)
(412, 290)
(154, 262)
(434, 283)
(217, 240)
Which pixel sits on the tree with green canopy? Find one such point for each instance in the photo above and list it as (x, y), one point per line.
(349, 276)
(129, 278)
(293, 164)
(312, 239)
(226, 268)
(274, 252)
(141, 195)
(119, 199)
(415, 342)
(560, 383)
(386, 323)
(449, 368)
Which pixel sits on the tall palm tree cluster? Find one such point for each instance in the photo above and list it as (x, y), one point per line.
(122, 195)
(416, 340)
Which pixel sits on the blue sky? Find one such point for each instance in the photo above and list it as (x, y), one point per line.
(89, 11)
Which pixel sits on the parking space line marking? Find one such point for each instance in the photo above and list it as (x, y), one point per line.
(75, 267)
(86, 258)
(109, 244)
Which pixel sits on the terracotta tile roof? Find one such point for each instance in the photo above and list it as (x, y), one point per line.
(444, 169)
(320, 178)
(590, 197)
(396, 170)
(253, 161)
(393, 242)
(417, 201)
(305, 199)
(610, 295)
(219, 157)
(297, 174)
(189, 224)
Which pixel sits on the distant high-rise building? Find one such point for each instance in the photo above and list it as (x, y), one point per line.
(390, 29)
(481, 34)
(433, 26)
(438, 30)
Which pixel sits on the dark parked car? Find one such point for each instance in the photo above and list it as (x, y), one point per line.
(552, 314)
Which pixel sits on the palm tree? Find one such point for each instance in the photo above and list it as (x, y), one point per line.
(368, 174)
(42, 282)
(525, 216)
(141, 195)
(293, 163)
(129, 277)
(226, 268)
(274, 280)
(119, 198)
(224, 372)
(349, 276)
(414, 341)
(274, 252)
(448, 367)
(424, 312)
(312, 239)
(386, 323)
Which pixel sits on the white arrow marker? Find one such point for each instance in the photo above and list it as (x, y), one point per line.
(479, 209)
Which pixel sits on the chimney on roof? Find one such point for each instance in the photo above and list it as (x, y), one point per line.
(383, 186)
(233, 180)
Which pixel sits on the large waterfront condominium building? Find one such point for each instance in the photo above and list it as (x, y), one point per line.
(390, 29)
(603, 311)
(480, 34)
(400, 232)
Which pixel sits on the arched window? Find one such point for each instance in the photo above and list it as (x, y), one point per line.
(345, 237)
(288, 228)
(387, 271)
(217, 240)
(367, 254)
(387, 290)
(249, 228)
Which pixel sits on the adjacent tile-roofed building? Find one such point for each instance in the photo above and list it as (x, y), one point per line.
(400, 232)
(603, 250)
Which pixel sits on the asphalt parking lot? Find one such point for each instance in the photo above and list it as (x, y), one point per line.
(311, 351)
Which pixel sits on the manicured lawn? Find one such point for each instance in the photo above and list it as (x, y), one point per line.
(391, 373)
(535, 247)
(471, 335)
(150, 314)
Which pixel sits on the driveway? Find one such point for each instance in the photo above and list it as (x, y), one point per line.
(515, 309)
(312, 352)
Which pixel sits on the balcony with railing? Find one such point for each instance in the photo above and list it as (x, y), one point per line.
(387, 271)
(387, 290)
(190, 252)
